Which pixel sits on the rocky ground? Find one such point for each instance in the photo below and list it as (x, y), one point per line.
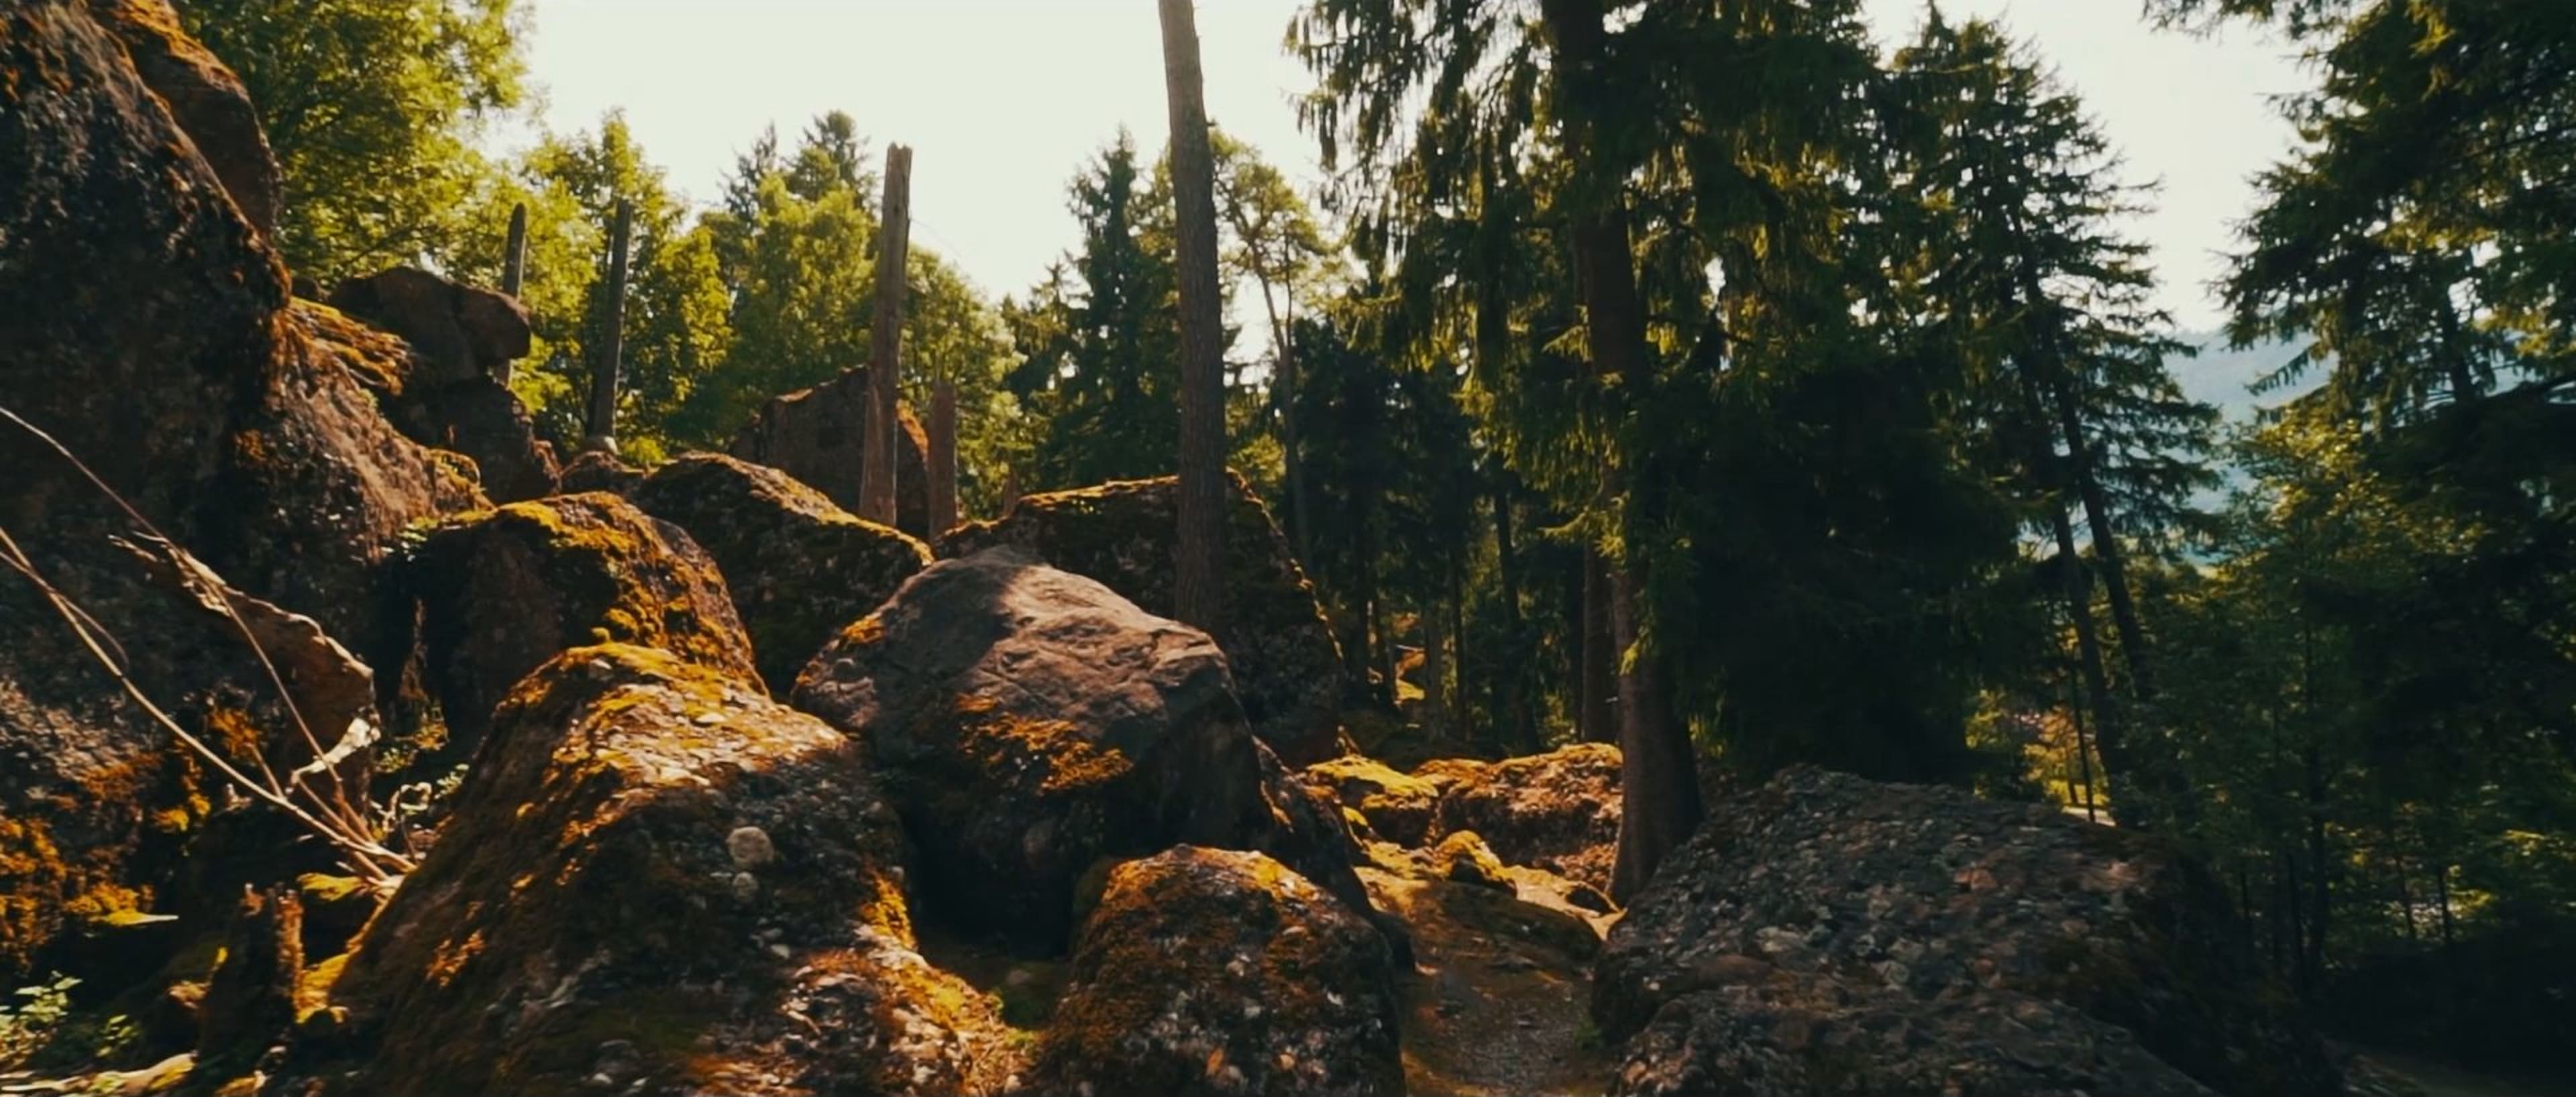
(564, 777)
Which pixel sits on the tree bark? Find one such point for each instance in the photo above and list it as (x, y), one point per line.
(1198, 572)
(1514, 723)
(1435, 673)
(2107, 729)
(885, 343)
(514, 251)
(2106, 537)
(603, 380)
(943, 458)
(1660, 804)
(1597, 655)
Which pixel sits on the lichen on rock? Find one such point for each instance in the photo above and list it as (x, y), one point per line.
(1030, 722)
(1287, 666)
(799, 567)
(1206, 971)
(589, 910)
(1961, 906)
(504, 590)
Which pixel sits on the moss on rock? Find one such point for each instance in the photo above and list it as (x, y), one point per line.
(1207, 971)
(1287, 666)
(799, 568)
(655, 874)
(504, 590)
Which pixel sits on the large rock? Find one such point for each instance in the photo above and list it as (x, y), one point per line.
(1287, 668)
(100, 804)
(1779, 1035)
(655, 881)
(477, 417)
(1960, 905)
(1557, 811)
(1206, 971)
(504, 590)
(207, 101)
(1030, 722)
(145, 329)
(460, 333)
(600, 470)
(799, 567)
(819, 436)
(1399, 807)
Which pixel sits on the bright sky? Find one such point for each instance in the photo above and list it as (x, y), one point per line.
(1002, 99)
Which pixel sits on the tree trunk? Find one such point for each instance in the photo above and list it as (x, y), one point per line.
(1660, 804)
(1514, 723)
(1458, 636)
(603, 380)
(885, 343)
(514, 251)
(1199, 591)
(2106, 535)
(2107, 730)
(943, 458)
(1598, 657)
(2083, 749)
(1435, 674)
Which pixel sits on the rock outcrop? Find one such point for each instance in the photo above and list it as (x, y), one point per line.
(1206, 971)
(459, 332)
(1399, 807)
(1960, 908)
(800, 568)
(207, 101)
(819, 436)
(504, 590)
(1030, 722)
(1287, 668)
(477, 416)
(145, 329)
(597, 470)
(1557, 811)
(658, 882)
(1779, 1035)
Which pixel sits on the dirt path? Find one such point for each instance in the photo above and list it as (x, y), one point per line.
(1496, 1004)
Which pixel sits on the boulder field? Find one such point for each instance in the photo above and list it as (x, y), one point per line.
(350, 746)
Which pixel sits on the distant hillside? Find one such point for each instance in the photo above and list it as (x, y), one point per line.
(2220, 375)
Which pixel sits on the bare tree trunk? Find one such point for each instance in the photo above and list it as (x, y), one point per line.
(1010, 491)
(1458, 635)
(2097, 678)
(1435, 674)
(2083, 753)
(1597, 657)
(603, 379)
(1514, 724)
(943, 458)
(885, 343)
(1660, 804)
(1198, 573)
(514, 251)
(2106, 540)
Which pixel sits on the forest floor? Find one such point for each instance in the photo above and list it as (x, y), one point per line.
(1497, 1002)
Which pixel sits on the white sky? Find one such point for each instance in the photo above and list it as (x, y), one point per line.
(1002, 99)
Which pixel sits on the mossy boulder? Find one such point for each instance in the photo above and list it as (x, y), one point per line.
(1774, 1034)
(599, 470)
(1205, 971)
(1399, 807)
(473, 415)
(1030, 722)
(654, 874)
(1287, 667)
(146, 330)
(1942, 898)
(1463, 858)
(819, 436)
(1557, 811)
(106, 858)
(504, 590)
(800, 568)
(457, 332)
(207, 101)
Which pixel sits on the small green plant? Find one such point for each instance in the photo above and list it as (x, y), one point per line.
(29, 1017)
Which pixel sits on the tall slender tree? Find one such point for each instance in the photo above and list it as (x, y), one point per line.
(1199, 595)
